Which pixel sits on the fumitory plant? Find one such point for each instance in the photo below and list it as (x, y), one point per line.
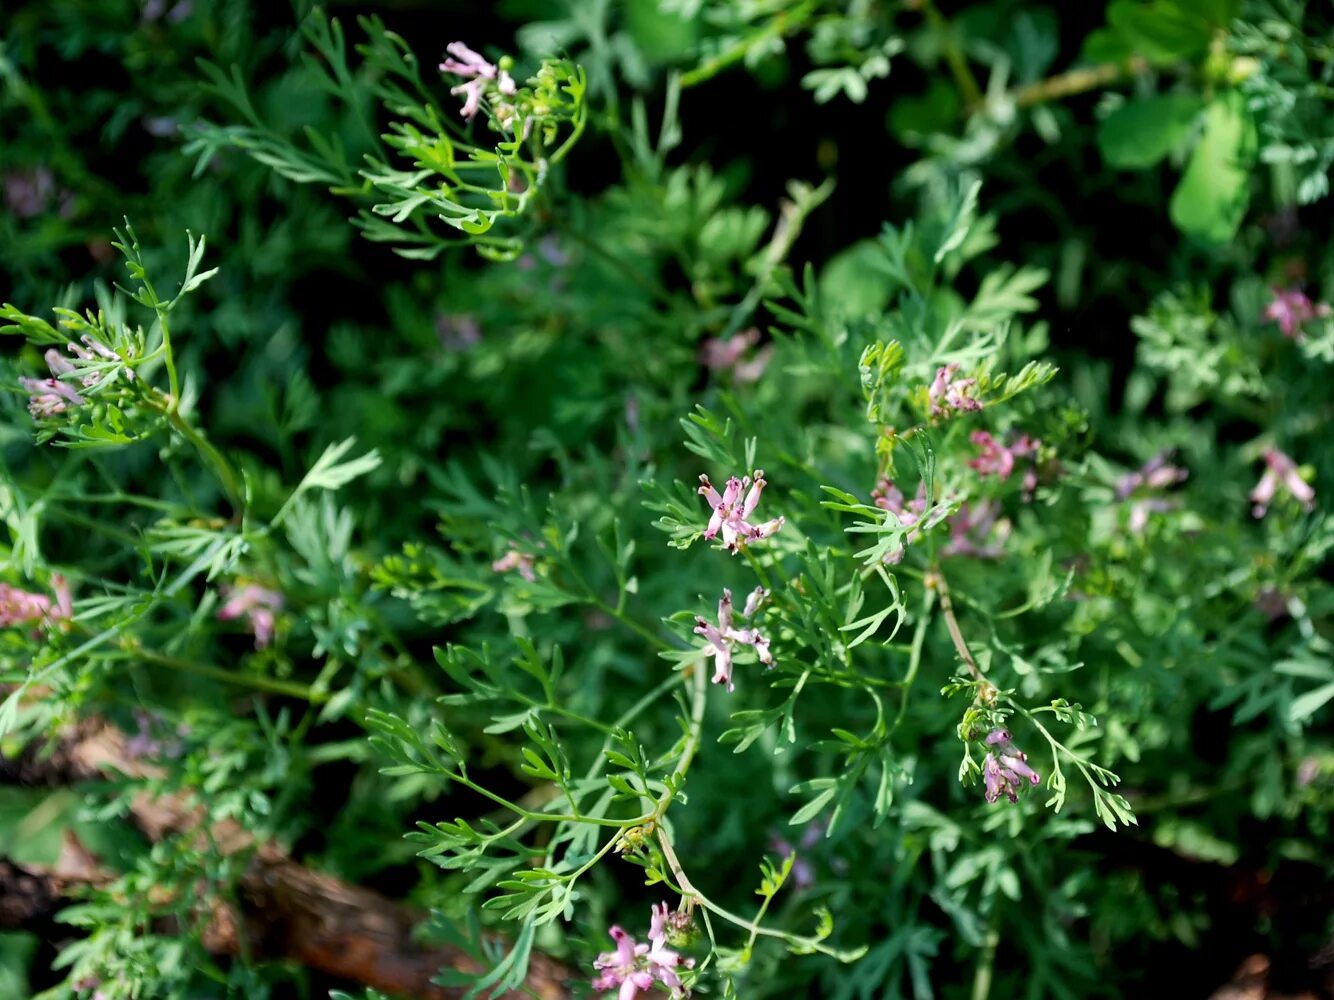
(684, 497)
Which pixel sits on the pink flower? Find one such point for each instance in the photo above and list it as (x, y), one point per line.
(458, 333)
(633, 967)
(1280, 471)
(803, 875)
(479, 73)
(726, 356)
(723, 637)
(753, 601)
(49, 397)
(19, 607)
(888, 497)
(998, 460)
(947, 393)
(1290, 309)
(976, 531)
(730, 512)
(515, 559)
(1154, 475)
(1005, 768)
(29, 192)
(257, 604)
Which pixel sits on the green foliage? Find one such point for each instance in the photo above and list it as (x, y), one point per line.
(404, 564)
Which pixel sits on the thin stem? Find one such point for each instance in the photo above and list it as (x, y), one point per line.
(1078, 81)
(231, 485)
(958, 64)
(937, 580)
(782, 23)
(915, 656)
(986, 959)
(173, 383)
(268, 684)
(699, 695)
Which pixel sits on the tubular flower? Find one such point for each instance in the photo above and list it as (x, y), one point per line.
(19, 607)
(719, 355)
(948, 393)
(1154, 475)
(723, 637)
(514, 559)
(978, 530)
(889, 497)
(257, 605)
(633, 967)
(480, 76)
(731, 513)
(997, 459)
(1280, 471)
(1005, 768)
(1290, 309)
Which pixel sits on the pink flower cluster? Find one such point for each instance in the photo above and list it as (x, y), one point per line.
(723, 637)
(20, 607)
(720, 356)
(515, 559)
(1152, 477)
(997, 459)
(1006, 768)
(52, 396)
(948, 393)
(257, 605)
(633, 967)
(978, 530)
(1280, 472)
(480, 75)
(1291, 310)
(731, 512)
(889, 497)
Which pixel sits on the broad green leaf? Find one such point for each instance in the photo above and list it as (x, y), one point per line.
(1211, 199)
(1163, 31)
(1141, 132)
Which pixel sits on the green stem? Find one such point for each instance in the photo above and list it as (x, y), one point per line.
(937, 580)
(915, 656)
(1078, 81)
(782, 24)
(268, 684)
(958, 63)
(986, 960)
(221, 467)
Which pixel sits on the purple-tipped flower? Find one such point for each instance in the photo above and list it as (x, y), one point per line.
(458, 333)
(49, 397)
(20, 607)
(29, 192)
(948, 393)
(633, 967)
(1280, 472)
(997, 459)
(1006, 768)
(803, 874)
(978, 530)
(1153, 476)
(723, 637)
(889, 497)
(1290, 309)
(753, 601)
(720, 356)
(481, 76)
(515, 559)
(731, 512)
(257, 605)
